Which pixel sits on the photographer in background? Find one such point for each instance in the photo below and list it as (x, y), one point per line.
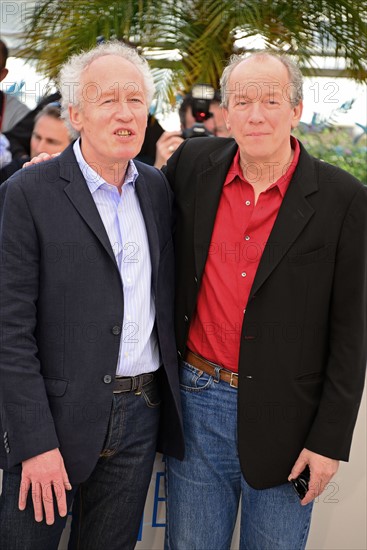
(190, 117)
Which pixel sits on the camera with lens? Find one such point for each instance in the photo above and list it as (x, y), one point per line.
(202, 96)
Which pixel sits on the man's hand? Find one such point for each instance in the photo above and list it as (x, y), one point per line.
(40, 158)
(47, 476)
(322, 470)
(165, 146)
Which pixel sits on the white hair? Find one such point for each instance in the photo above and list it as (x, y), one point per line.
(71, 74)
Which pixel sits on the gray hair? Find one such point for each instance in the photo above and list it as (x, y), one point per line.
(71, 74)
(53, 110)
(295, 75)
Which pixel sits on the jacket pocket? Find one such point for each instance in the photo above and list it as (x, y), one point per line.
(56, 386)
(309, 377)
(320, 255)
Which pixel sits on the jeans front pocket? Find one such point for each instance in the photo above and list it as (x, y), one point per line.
(193, 379)
(151, 394)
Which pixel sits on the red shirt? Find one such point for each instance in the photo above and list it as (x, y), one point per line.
(240, 233)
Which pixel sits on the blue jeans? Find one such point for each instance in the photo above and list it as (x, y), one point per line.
(108, 507)
(204, 490)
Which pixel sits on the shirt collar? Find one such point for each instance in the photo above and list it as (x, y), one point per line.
(93, 179)
(282, 183)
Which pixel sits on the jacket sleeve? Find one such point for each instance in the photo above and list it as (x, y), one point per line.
(25, 414)
(332, 429)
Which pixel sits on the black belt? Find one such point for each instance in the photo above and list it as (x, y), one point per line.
(132, 383)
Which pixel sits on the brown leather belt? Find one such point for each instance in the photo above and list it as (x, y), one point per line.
(131, 383)
(211, 368)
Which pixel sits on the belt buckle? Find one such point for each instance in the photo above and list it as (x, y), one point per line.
(234, 376)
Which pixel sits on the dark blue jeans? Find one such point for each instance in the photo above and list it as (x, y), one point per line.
(107, 508)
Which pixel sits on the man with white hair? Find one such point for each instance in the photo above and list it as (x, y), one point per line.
(89, 382)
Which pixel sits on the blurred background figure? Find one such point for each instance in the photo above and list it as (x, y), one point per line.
(5, 154)
(11, 109)
(20, 135)
(214, 126)
(50, 135)
(153, 133)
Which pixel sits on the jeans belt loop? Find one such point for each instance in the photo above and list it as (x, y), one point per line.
(217, 374)
(139, 385)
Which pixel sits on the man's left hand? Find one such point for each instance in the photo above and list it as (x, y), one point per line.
(322, 469)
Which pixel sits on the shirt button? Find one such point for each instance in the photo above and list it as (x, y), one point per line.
(128, 280)
(247, 238)
(247, 203)
(126, 354)
(116, 330)
(107, 379)
(243, 274)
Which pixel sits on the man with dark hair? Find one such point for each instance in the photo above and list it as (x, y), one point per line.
(11, 109)
(170, 141)
(215, 124)
(50, 135)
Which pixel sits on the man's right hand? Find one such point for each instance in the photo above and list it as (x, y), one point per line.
(40, 158)
(45, 474)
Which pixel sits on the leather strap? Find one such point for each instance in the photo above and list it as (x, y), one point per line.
(132, 383)
(211, 368)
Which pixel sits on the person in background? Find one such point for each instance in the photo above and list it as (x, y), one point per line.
(88, 367)
(270, 318)
(50, 135)
(170, 141)
(153, 132)
(11, 109)
(20, 135)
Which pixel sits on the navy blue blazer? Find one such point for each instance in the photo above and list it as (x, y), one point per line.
(61, 300)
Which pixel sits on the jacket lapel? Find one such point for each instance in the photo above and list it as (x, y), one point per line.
(80, 196)
(294, 214)
(208, 191)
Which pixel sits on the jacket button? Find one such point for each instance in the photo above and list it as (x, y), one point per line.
(195, 279)
(107, 379)
(186, 318)
(179, 353)
(116, 330)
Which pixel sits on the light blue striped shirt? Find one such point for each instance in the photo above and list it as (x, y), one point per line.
(124, 223)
